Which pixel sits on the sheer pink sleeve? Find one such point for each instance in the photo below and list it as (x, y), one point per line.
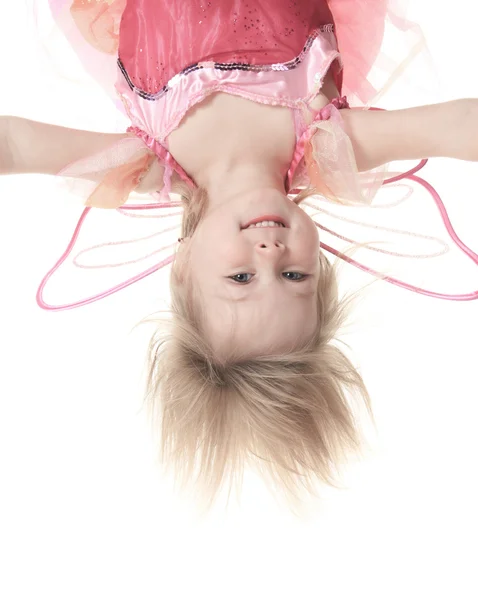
(331, 165)
(106, 179)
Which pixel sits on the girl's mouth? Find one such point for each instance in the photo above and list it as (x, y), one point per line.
(274, 218)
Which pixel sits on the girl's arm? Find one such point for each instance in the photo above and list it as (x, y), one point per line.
(5, 154)
(32, 147)
(448, 129)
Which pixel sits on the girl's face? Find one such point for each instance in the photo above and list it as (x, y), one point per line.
(262, 281)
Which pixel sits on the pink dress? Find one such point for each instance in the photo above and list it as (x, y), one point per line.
(161, 57)
(158, 58)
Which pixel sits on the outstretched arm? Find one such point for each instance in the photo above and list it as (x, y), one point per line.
(448, 129)
(32, 147)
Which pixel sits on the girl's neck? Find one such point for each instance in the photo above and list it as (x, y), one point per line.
(233, 177)
(228, 144)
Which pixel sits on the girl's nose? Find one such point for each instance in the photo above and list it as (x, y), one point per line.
(268, 247)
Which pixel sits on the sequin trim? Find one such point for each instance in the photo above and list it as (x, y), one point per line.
(287, 66)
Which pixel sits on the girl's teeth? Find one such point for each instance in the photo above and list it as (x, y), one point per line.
(266, 224)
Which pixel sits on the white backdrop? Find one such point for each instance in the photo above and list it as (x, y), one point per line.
(83, 511)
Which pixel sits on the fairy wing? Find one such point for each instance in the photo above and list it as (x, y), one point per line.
(417, 259)
(137, 233)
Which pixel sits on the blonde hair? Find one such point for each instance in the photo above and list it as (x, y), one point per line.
(291, 411)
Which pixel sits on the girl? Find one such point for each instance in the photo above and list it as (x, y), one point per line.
(244, 109)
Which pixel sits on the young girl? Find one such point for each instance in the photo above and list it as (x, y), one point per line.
(243, 108)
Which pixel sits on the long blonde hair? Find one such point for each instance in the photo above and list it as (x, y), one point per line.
(290, 412)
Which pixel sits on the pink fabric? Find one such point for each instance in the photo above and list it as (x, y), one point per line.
(280, 51)
(226, 31)
(293, 88)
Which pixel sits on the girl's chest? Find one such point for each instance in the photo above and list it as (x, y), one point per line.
(223, 122)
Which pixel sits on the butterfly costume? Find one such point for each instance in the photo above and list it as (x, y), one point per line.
(157, 59)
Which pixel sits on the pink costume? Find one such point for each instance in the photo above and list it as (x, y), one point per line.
(172, 55)
(158, 58)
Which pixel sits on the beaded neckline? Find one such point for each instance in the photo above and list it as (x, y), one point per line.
(287, 66)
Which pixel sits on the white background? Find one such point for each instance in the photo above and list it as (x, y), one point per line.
(83, 511)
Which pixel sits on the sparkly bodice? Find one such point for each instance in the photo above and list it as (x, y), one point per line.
(159, 39)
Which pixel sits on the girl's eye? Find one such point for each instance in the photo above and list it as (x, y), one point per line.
(300, 278)
(241, 279)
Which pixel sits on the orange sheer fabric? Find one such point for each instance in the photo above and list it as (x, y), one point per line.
(99, 22)
(331, 164)
(116, 186)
